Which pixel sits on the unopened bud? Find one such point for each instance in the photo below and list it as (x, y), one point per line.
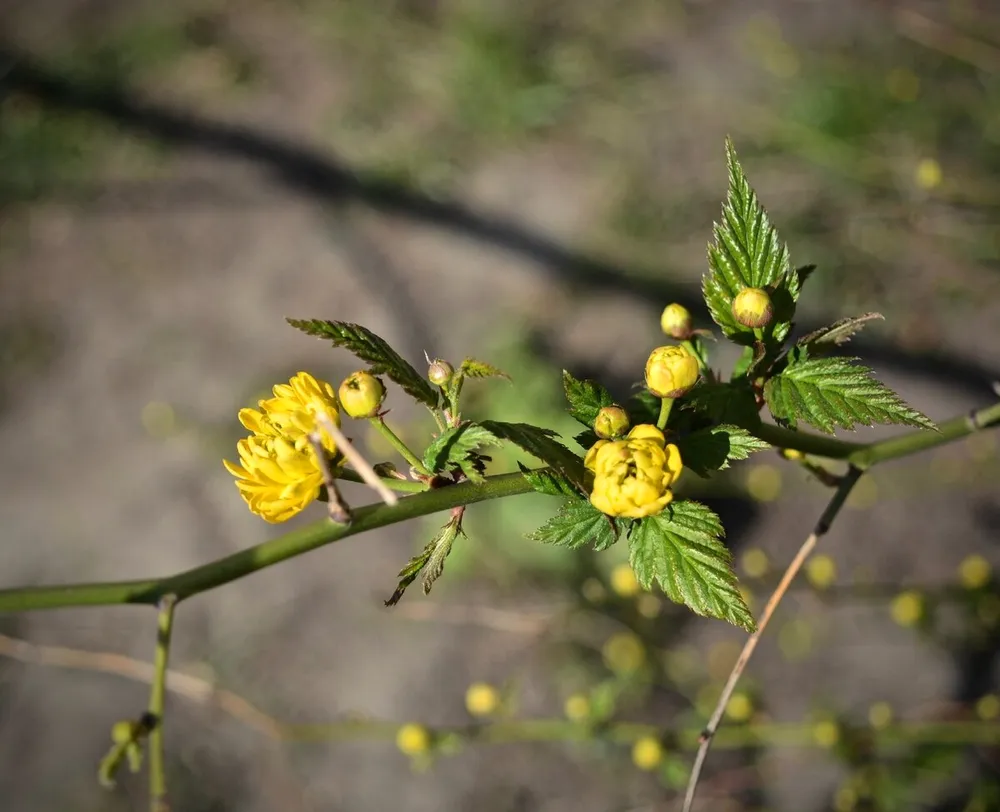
(676, 321)
(440, 372)
(671, 371)
(611, 422)
(752, 308)
(361, 394)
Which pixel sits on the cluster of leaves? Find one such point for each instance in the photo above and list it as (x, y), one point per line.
(713, 424)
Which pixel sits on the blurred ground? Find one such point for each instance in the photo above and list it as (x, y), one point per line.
(528, 183)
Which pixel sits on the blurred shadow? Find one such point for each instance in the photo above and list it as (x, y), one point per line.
(315, 174)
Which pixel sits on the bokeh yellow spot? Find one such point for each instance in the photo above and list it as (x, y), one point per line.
(826, 733)
(707, 698)
(928, 173)
(755, 563)
(577, 708)
(974, 572)
(864, 495)
(821, 571)
(763, 482)
(880, 715)
(902, 84)
(722, 657)
(159, 419)
(647, 753)
(739, 708)
(781, 60)
(482, 699)
(413, 739)
(988, 707)
(593, 591)
(623, 581)
(795, 639)
(681, 664)
(624, 653)
(907, 608)
(648, 605)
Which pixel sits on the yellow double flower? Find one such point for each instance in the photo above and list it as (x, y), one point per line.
(633, 476)
(278, 474)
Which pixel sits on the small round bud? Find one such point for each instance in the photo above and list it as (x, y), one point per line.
(481, 699)
(676, 321)
(611, 422)
(123, 732)
(413, 739)
(361, 394)
(671, 371)
(752, 308)
(577, 708)
(440, 372)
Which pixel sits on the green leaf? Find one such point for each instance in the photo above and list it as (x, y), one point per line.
(382, 359)
(712, 449)
(681, 549)
(747, 253)
(586, 398)
(453, 446)
(586, 438)
(471, 368)
(430, 561)
(743, 364)
(541, 443)
(576, 524)
(731, 402)
(831, 392)
(838, 333)
(547, 481)
(643, 406)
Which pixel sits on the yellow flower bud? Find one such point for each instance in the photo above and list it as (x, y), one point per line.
(676, 321)
(647, 753)
(361, 394)
(752, 307)
(440, 372)
(481, 699)
(908, 608)
(123, 732)
(577, 708)
(633, 476)
(671, 371)
(611, 421)
(413, 739)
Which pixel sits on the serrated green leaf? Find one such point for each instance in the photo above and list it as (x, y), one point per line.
(746, 252)
(732, 402)
(547, 481)
(831, 392)
(471, 368)
(743, 364)
(576, 524)
(712, 449)
(643, 406)
(430, 560)
(837, 333)
(453, 446)
(541, 443)
(681, 549)
(381, 358)
(586, 438)
(585, 398)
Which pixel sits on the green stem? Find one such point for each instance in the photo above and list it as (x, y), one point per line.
(666, 404)
(157, 695)
(245, 562)
(401, 485)
(399, 445)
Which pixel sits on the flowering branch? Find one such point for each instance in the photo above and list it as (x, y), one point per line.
(370, 517)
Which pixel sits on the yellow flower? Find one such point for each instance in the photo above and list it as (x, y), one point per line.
(752, 307)
(276, 479)
(633, 476)
(482, 699)
(295, 407)
(413, 739)
(671, 371)
(647, 753)
(278, 474)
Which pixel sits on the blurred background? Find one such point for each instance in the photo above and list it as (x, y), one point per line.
(529, 183)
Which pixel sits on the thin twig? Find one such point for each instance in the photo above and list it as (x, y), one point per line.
(848, 482)
(361, 465)
(336, 506)
(157, 703)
